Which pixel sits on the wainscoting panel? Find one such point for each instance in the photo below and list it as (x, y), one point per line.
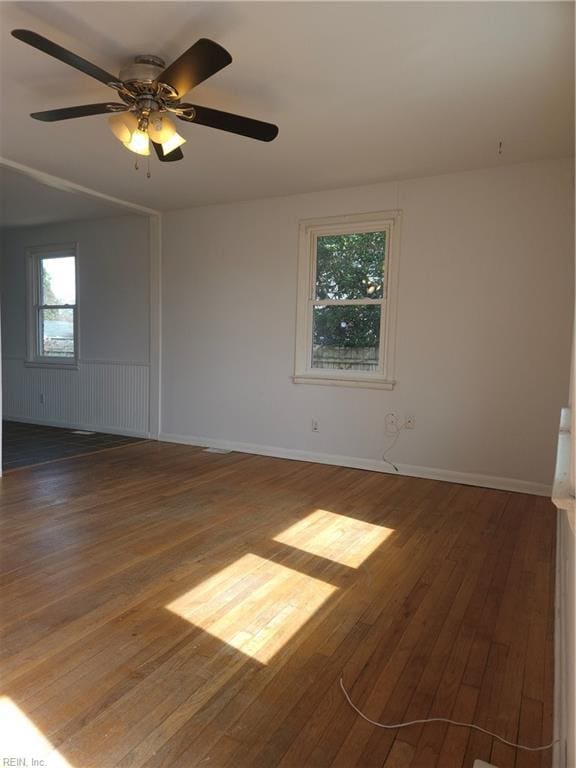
(107, 396)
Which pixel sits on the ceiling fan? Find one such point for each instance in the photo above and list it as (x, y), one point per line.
(150, 92)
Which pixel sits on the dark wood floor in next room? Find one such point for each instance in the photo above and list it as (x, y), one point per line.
(24, 445)
(166, 607)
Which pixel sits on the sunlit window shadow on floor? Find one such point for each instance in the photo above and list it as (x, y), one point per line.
(346, 540)
(20, 740)
(254, 605)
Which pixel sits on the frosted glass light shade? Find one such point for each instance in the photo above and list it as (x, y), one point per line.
(123, 125)
(173, 143)
(139, 143)
(160, 128)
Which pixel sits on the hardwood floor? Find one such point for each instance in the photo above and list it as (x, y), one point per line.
(165, 607)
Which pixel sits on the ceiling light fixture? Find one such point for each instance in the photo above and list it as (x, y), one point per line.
(136, 131)
(139, 143)
(148, 91)
(172, 143)
(160, 127)
(123, 125)
(162, 130)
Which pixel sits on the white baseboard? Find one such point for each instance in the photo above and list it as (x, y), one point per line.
(431, 473)
(70, 425)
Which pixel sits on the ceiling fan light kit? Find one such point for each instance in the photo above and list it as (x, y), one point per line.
(136, 133)
(123, 125)
(163, 131)
(138, 143)
(172, 143)
(160, 128)
(150, 93)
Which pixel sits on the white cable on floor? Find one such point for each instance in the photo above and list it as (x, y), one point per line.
(443, 720)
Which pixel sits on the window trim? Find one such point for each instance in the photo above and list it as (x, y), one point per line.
(309, 231)
(33, 357)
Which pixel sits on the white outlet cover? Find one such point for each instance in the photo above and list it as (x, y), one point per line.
(482, 764)
(391, 423)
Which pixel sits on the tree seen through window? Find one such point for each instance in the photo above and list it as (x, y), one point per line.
(347, 307)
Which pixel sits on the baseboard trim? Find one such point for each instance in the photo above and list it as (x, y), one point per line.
(430, 473)
(110, 430)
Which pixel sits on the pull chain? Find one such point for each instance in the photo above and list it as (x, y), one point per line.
(137, 166)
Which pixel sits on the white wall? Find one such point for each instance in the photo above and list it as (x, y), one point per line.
(110, 388)
(483, 330)
(565, 614)
(566, 605)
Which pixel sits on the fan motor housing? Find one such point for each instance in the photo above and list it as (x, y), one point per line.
(144, 69)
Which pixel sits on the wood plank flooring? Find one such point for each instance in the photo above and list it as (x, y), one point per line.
(164, 607)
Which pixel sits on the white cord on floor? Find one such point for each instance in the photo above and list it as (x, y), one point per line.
(443, 720)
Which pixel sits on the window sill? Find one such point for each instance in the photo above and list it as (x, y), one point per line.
(344, 381)
(71, 366)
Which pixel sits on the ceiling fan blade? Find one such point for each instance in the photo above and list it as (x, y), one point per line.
(225, 121)
(176, 154)
(52, 115)
(197, 64)
(52, 49)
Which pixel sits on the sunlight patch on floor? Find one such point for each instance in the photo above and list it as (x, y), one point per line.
(254, 605)
(346, 540)
(21, 740)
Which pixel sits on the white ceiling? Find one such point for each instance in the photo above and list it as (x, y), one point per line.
(362, 92)
(26, 202)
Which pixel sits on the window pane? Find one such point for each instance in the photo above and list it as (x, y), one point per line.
(346, 338)
(350, 266)
(58, 280)
(57, 332)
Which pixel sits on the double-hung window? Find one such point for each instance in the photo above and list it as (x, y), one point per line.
(53, 318)
(347, 286)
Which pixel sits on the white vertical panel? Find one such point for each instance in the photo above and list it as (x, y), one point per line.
(97, 395)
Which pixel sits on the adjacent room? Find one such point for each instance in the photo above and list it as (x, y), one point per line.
(75, 358)
(287, 312)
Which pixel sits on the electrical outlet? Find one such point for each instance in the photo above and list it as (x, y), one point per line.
(41, 398)
(391, 423)
(315, 425)
(410, 421)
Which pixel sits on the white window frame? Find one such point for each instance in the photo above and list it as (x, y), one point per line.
(34, 256)
(310, 230)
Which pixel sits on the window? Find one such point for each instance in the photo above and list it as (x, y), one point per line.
(347, 277)
(53, 320)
